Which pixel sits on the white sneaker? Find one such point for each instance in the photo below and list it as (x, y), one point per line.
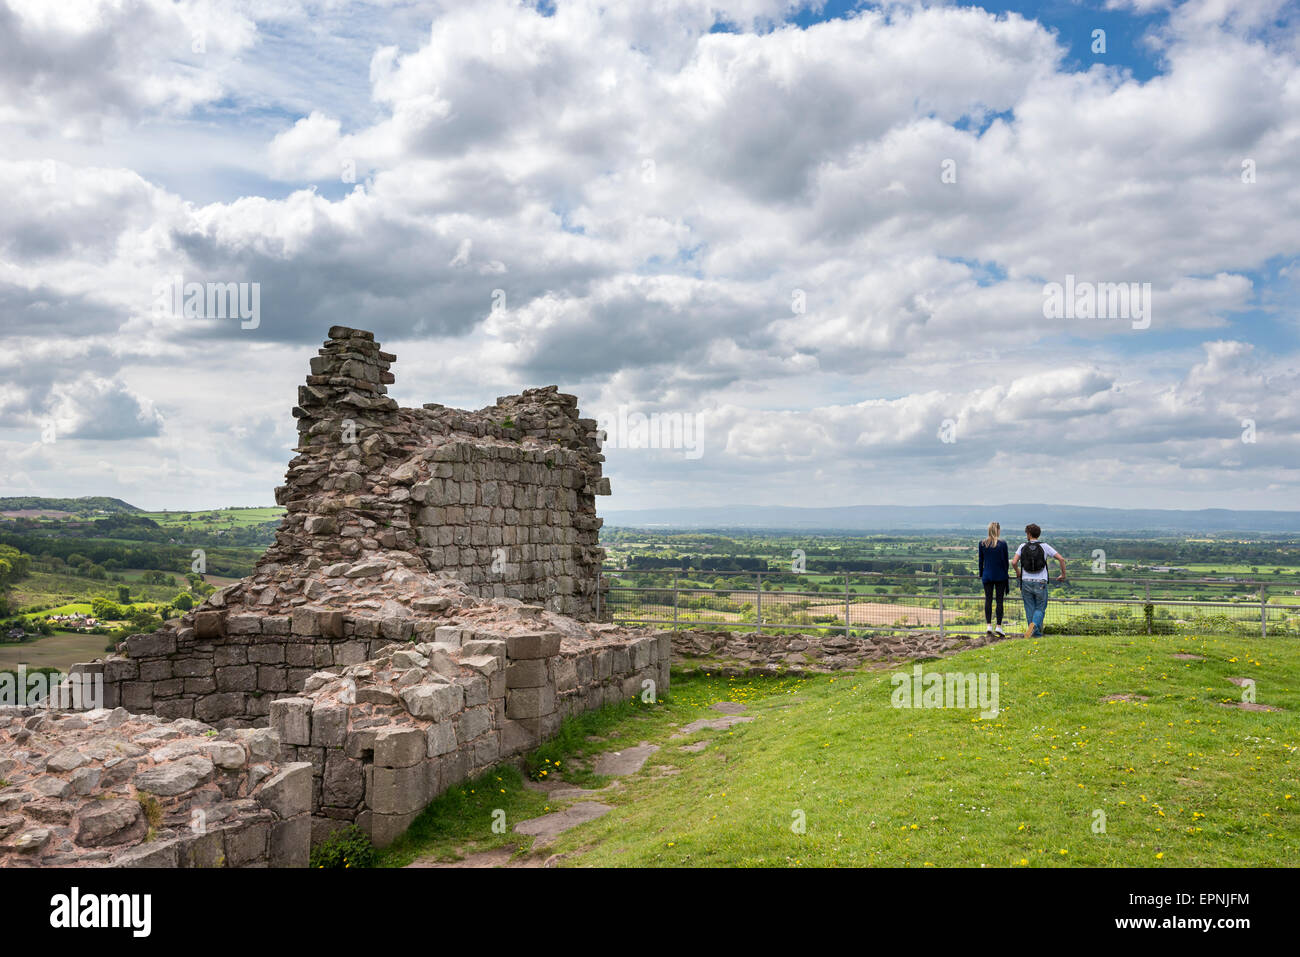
(999, 632)
(990, 631)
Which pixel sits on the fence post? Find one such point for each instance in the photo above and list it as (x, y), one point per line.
(1151, 618)
(674, 601)
(939, 579)
(758, 604)
(846, 604)
(1263, 613)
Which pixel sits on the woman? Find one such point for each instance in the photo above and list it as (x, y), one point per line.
(993, 572)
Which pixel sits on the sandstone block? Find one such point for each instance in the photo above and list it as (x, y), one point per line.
(536, 644)
(243, 624)
(290, 844)
(291, 719)
(175, 777)
(433, 701)
(114, 821)
(397, 790)
(214, 707)
(208, 624)
(530, 702)
(527, 673)
(288, 791)
(145, 646)
(440, 738)
(237, 678)
(344, 780)
(329, 726)
(399, 747)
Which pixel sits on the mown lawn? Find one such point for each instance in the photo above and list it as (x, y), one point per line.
(1180, 779)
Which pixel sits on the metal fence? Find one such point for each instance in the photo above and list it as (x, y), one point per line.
(865, 602)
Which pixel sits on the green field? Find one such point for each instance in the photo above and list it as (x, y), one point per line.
(51, 590)
(216, 518)
(60, 650)
(1180, 779)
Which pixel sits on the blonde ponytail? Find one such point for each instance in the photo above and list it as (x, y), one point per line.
(995, 532)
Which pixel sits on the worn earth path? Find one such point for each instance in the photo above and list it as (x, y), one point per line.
(579, 805)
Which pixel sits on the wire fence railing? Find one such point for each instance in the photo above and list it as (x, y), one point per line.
(864, 602)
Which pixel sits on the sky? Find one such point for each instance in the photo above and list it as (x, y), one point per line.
(831, 244)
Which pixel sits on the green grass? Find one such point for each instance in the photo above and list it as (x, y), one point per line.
(50, 589)
(1181, 780)
(60, 650)
(462, 819)
(224, 517)
(72, 608)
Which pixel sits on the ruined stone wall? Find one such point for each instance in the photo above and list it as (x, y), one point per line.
(226, 664)
(387, 736)
(396, 518)
(105, 788)
(733, 653)
(424, 612)
(502, 499)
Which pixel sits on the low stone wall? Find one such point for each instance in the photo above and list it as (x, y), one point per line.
(225, 663)
(387, 736)
(224, 666)
(105, 788)
(731, 652)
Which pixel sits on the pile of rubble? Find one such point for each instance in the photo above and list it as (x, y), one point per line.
(107, 788)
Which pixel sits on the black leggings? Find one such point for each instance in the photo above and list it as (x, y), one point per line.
(990, 589)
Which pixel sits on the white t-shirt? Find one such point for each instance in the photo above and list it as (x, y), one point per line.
(1049, 551)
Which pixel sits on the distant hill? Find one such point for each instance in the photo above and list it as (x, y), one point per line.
(87, 505)
(951, 517)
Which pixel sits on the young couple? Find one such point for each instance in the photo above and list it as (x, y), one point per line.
(1030, 563)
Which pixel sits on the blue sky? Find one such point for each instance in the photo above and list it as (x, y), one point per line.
(823, 231)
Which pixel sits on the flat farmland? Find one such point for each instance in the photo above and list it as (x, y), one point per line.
(60, 650)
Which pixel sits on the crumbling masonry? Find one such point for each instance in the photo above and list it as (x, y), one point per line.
(502, 499)
(424, 613)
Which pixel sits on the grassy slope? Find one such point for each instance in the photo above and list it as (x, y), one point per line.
(44, 588)
(1178, 776)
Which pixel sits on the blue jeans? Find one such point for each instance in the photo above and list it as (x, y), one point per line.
(1034, 595)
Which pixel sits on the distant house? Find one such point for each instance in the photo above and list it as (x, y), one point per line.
(16, 634)
(1167, 568)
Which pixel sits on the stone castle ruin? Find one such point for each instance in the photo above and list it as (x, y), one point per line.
(425, 612)
(502, 499)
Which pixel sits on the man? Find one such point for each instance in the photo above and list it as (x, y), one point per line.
(1030, 564)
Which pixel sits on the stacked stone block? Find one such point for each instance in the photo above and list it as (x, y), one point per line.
(385, 737)
(348, 382)
(734, 653)
(512, 522)
(502, 499)
(228, 664)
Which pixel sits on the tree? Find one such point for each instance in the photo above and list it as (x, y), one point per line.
(124, 594)
(104, 609)
(183, 601)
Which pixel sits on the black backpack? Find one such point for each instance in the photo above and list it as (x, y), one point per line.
(1032, 558)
